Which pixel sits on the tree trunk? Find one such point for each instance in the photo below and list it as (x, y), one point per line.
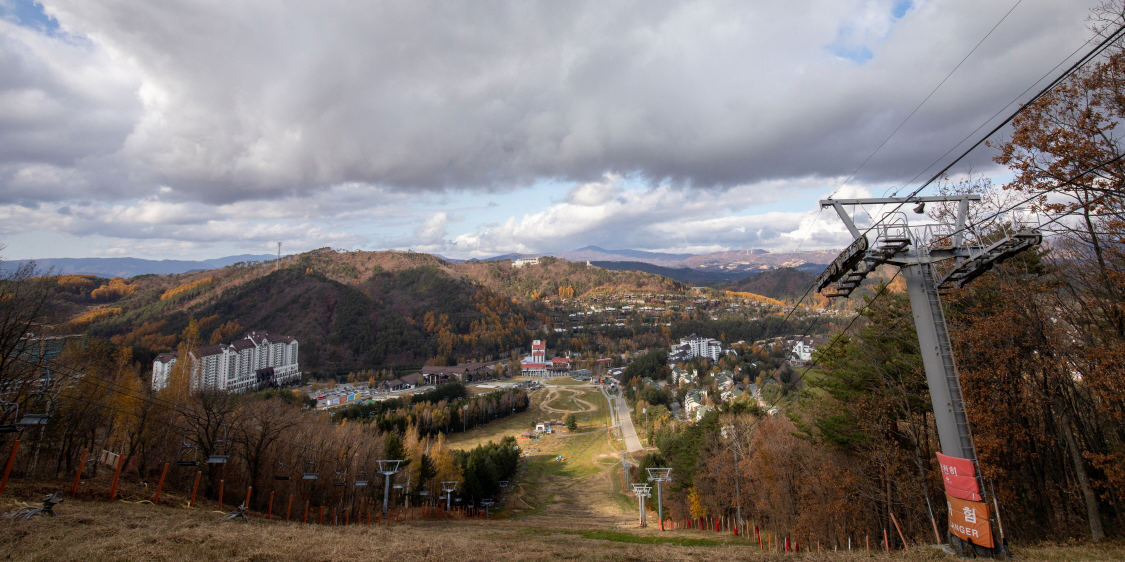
(1097, 532)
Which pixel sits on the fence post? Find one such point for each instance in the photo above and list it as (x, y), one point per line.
(269, 510)
(289, 507)
(248, 490)
(221, 484)
(78, 476)
(160, 486)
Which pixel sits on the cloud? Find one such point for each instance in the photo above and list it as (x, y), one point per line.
(269, 114)
(432, 231)
(663, 218)
(266, 97)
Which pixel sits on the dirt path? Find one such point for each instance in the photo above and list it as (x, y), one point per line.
(553, 394)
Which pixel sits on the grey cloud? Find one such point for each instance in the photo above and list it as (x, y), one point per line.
(265, 99)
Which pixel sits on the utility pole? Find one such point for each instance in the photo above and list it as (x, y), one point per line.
(915, 249)
(660, 475)
(387, 468)
(642, 491)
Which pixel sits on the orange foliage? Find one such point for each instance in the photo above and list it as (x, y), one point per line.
(93, 316)
(115, 289)
(70, 282)
(187, 287)
(753, 297)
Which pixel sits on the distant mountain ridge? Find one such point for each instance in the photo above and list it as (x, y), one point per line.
(726, 266)
(681, 274)
(131, 267)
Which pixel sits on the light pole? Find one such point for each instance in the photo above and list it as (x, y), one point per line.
(642, 491)
(448, 486)
(659, 475)
(387, 468)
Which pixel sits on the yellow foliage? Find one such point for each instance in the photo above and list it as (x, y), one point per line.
(176, 291)
(95, 315)
(753, 297)
(115, 289)
(76, 281)
(696, 504)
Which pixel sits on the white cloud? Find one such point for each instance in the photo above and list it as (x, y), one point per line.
(663, 218)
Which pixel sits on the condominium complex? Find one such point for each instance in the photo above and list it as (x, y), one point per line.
(695, 346)
(258, 360)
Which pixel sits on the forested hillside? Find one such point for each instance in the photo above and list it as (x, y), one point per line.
(349, 310)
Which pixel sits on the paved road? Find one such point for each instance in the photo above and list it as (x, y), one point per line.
(632, 443)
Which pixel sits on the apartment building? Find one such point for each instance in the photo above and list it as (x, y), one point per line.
(258, 360)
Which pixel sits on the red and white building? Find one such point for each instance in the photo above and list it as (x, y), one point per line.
(537, 365)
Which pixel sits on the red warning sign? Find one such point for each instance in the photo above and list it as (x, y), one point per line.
(969, 521)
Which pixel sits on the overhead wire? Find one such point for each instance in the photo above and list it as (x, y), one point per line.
(1058, 80)
(927, 98)
(1091, 55)
(882, 290)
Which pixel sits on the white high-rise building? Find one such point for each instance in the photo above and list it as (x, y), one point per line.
(256, 361)
(696, 346)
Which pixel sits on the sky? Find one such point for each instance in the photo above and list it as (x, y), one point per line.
(198, 129)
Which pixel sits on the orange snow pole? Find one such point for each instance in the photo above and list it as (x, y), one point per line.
(159, 486)
(221, 484)
(195, 488)
(8, 469)
(289, 508)
(269, 510)
(78, 475)
(116, 473)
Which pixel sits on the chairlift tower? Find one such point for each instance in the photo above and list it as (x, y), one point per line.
(642, 491)
(659, 475)
(387, 468)
(448, 487)
(915, 250)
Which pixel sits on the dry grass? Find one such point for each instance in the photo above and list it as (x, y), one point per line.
(564, 381)
(99, 532)
(570, 510)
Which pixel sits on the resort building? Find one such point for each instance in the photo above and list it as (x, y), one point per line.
(258, 360)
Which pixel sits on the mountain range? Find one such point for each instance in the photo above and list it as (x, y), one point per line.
(131, 267)
(688, 268)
